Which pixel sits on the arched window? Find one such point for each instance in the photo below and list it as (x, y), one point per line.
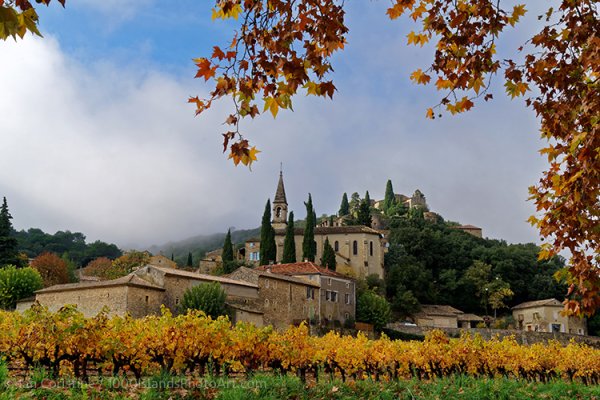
(371, 248)
(355, 247)
(336, 246)
(278, 212)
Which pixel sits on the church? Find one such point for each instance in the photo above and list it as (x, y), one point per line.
(359, 249)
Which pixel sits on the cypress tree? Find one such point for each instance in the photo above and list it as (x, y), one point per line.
(227, 255)
(172, 257)
(8, 243)
(190, 261)
(268, 249)
(389, 200)
(309, 246)
(344, 207)
(289, 244)
(328, 258)
(364, 211)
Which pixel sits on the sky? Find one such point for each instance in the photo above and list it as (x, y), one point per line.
(96, 135)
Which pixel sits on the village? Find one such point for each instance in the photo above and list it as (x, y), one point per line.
(287, 294)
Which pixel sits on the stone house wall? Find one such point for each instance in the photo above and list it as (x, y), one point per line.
(548, 318)
(283, 300)
(118, 299)
(341, 306)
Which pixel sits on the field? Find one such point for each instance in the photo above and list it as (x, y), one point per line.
(65, 355)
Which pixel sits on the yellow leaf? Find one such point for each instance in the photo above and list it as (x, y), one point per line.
(429, 113)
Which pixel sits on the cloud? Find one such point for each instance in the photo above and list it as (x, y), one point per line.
(114, 151)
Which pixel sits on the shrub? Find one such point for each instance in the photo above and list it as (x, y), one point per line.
(373, 309)
(206, 297)
(52, 269)
(16, 284)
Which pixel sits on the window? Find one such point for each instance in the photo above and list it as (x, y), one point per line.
(347, 285)
(328, 295)
(536, 316)
(346, 315)
(347, 298)
(255, 256)
(355, 247)
(266, 283)
(251, 245)
(336, 246)
(146, 299)
(371, 248)
(310, 293)
(329, 281)
(334, 297)
(278, 212)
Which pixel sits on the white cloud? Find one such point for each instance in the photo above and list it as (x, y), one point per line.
(116, 153)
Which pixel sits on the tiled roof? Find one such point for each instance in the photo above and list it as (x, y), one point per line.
(331, 230)
(202, 277)
(469, 317)
(442, 310)
(128, 280)
(538, 303)
(280, 277)
(468, 227)
(300, 268)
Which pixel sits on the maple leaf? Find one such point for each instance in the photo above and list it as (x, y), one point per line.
(205, 68)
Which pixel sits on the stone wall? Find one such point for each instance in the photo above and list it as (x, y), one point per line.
(142, 302)
(522, 337)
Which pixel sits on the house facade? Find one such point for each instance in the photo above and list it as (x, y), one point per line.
(546, 316)
(337, 293)
(285, 300)
(443, 316)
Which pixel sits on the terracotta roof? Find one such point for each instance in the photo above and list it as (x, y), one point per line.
(280, 277)
(202, 277)
(538, 303)
(301, 268)
(442, 310)
(331, 230)
(469, 317)
(280, 193)
(128, 280)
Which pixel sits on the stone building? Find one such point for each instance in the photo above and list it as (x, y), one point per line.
(144, 291)
(129, 294)
(337, 293)
(359, 249)
(285, 300)
(470, 229)
(443, 316)
(546, 316)
(211, 262)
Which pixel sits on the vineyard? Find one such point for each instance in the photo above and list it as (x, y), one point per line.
(67, 344)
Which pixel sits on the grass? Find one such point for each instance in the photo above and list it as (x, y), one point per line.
(274, 387)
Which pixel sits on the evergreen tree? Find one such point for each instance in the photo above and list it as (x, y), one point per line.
(309, 246)
(227, 254)
(328, 258)
(268, 249)
(190, 261)
(8, 243)
(344, 207)
(172, 257)
(364, 211)
(289, 244)
(354, 203)
(389, 200)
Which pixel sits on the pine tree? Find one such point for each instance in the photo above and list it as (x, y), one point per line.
(190, 261)
(389, 200)
(289, 244)
(364, 211)
(8, 243)
(268, 249)
(344, 207)
(227, 255)
(328, 258)
(309, 247)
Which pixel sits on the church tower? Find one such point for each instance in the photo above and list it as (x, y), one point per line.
(280, 206)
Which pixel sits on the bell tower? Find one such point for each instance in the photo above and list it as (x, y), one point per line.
(280, 205)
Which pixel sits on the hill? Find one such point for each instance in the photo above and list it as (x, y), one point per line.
(201, 244)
